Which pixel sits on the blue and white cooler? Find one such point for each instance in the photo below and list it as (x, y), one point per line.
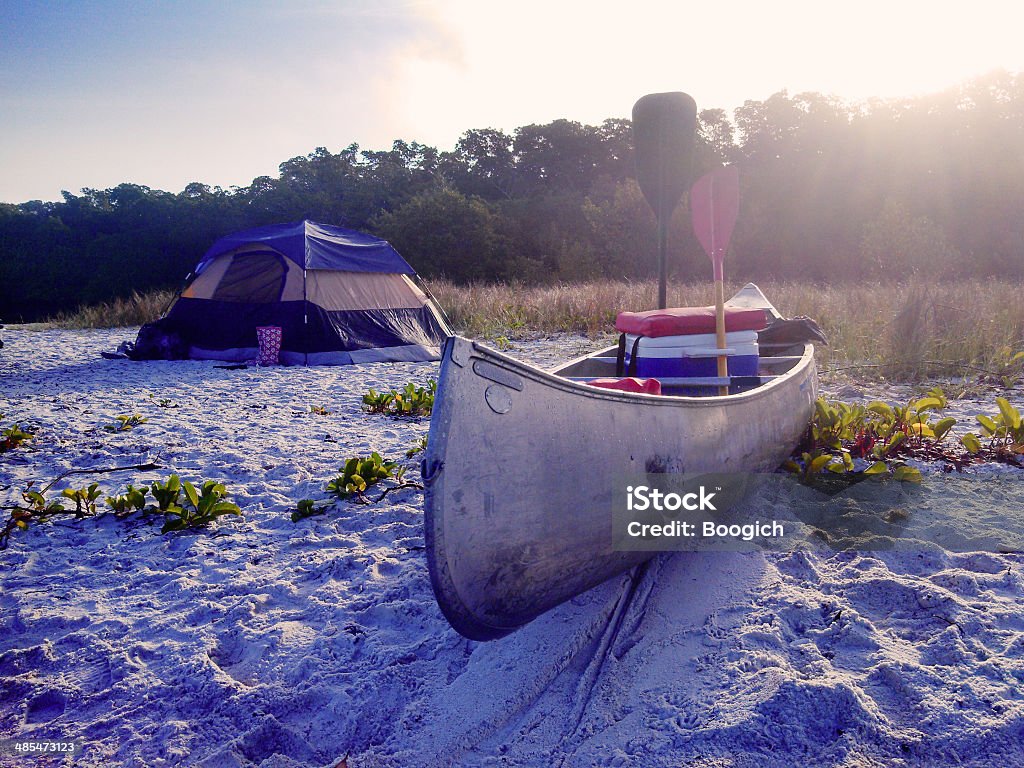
(692, 355)
(680, 343)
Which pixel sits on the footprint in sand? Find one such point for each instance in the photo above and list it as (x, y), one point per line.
(46, 707)
(714, 629)
(93, 675)
(675, 711)
(690, 719)
(755, 661)
(270, 738)
(238, 658)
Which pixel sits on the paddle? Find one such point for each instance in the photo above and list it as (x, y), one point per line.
(664, 126)
(714, 203)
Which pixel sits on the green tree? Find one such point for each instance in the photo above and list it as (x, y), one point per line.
(443, 233)
(482, 164)
(558, 158)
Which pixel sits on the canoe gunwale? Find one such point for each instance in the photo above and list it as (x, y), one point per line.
(551, 378)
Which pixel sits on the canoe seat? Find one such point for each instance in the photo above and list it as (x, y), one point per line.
(627, 384)
(684, 321)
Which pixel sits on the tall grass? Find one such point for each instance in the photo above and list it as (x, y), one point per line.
(896, 331)
(137, 309)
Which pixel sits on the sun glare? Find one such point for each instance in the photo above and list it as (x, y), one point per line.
(591, 61)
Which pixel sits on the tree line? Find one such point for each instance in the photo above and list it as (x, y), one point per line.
(830, 191)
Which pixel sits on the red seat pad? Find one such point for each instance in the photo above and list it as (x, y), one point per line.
(630, 384)
(680, 321)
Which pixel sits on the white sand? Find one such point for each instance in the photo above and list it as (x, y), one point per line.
(274, 644)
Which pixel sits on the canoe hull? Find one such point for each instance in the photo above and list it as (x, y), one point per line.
(520, 466)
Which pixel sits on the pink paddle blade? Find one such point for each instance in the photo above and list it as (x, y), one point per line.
(715, 202)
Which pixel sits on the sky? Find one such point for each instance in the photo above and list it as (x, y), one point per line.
(164, 93)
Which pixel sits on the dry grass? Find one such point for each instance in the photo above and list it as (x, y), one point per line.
(135, 310)
(897, 331)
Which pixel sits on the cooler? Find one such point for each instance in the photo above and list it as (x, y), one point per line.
(692, 355)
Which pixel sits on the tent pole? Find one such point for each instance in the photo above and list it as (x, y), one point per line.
(175, 297)
(434, 302)
(305, 321)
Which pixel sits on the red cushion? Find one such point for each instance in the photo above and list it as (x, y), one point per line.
(631, 384)
(680, 321)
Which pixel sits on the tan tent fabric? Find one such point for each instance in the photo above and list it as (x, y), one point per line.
(205, 285)
(293, 283)
(362, 290)
(330, 290)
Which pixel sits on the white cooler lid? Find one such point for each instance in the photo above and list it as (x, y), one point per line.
(735, 338)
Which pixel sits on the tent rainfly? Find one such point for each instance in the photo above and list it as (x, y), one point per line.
(339, 297)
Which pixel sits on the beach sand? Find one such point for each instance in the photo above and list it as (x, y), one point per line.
(263, 642)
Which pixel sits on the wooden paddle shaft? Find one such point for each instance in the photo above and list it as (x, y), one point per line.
(663, 260)
(723, 361)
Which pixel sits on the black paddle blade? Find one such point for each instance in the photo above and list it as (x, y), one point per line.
(664, 130)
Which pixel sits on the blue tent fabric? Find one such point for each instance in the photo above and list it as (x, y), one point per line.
(316, 246)
(307, 329)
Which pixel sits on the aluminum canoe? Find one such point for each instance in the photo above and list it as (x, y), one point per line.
(520, 463)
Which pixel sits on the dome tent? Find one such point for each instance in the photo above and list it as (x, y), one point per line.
(339, 297)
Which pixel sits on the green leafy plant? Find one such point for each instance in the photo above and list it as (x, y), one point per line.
(360, 473)
(971, 442)
(409, 401)
(126, 422)
(167, 495)
(132, 500)
(163, 402)
(12, 437)
(36, 509)
(200, 507)
(38, 505)
(811, 464)
(1004, 430)
(377, 402)
(84, 498)
(419, 447)
(860, 441)
(320, 410)
(906, 474)
(182, 504)
(307, 508)
(19, 519)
